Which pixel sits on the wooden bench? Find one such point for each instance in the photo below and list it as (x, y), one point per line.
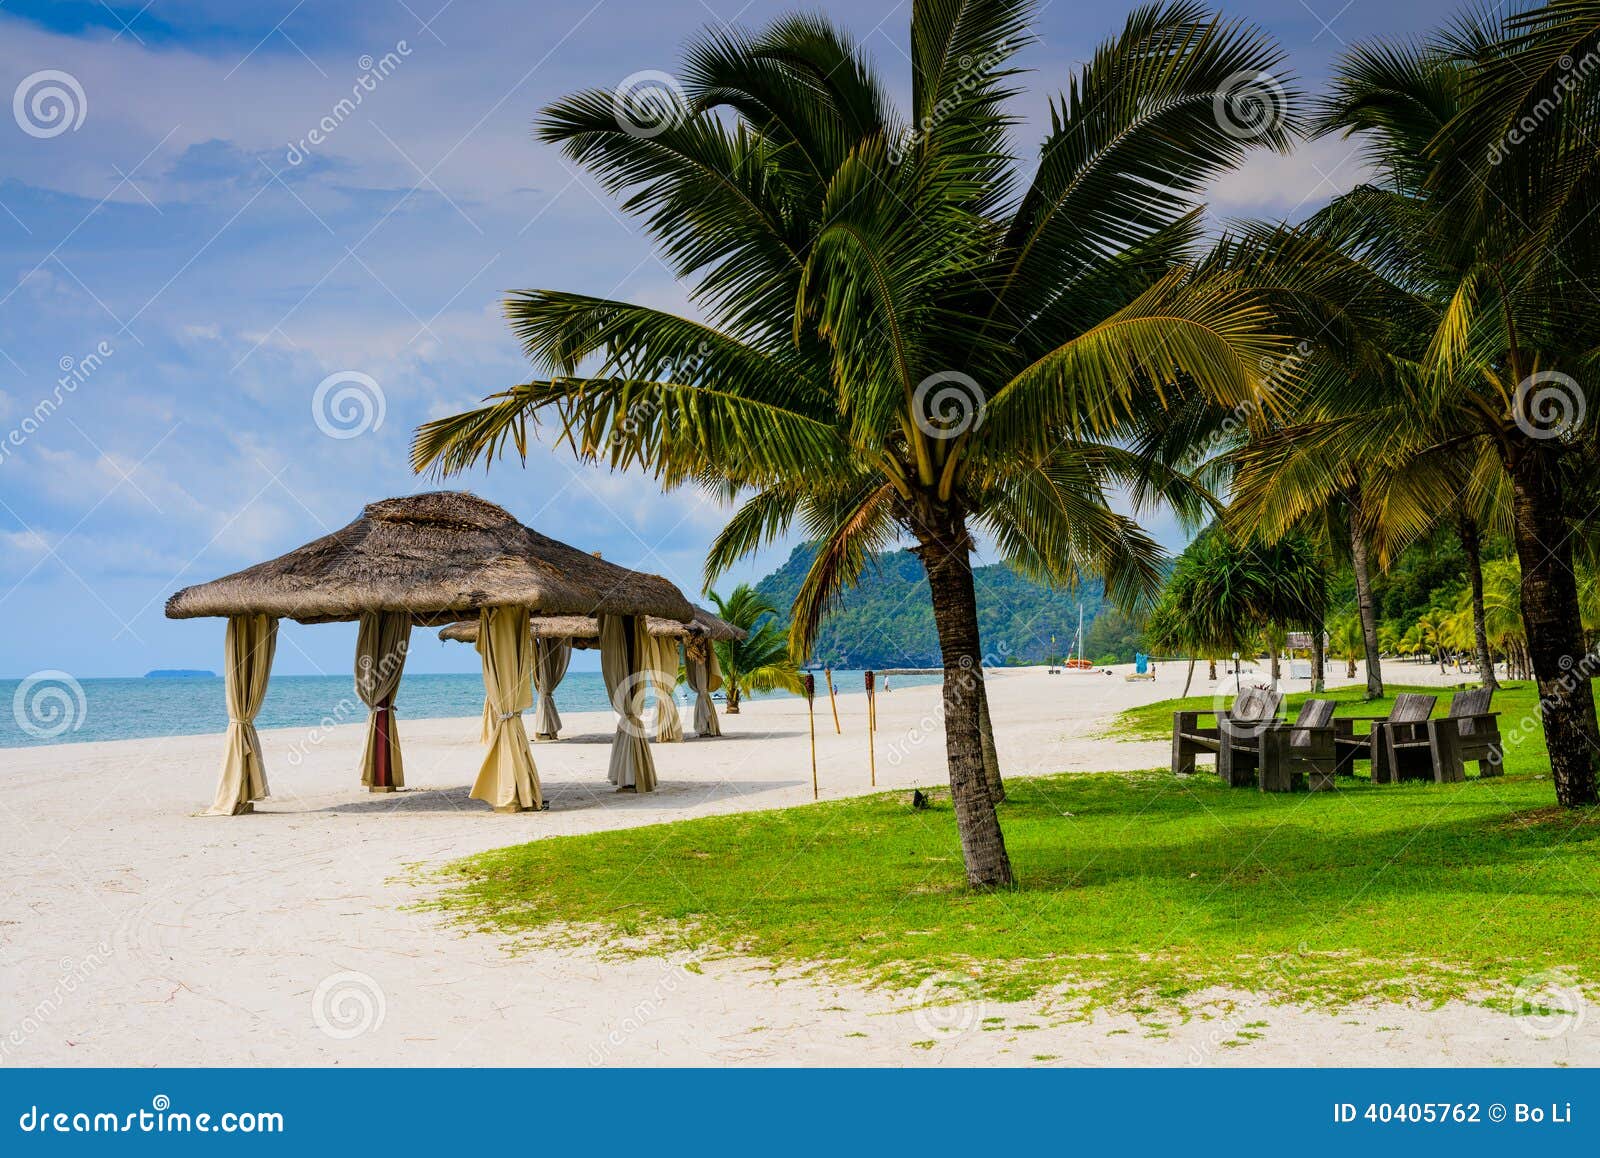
(1250, 711)
(1408, 717)
(1469, 731)
(1301, 754)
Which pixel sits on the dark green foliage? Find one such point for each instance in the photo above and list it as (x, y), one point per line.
(887, 619)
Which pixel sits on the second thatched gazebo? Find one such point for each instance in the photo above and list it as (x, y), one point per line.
(556, 635)
(424, 560)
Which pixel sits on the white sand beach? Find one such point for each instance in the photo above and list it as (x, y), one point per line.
(136, 932)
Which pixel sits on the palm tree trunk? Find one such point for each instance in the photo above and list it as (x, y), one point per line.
(1554, 629)
(732, 706)
(1472, 544)
(1319, 653)
(955, 614)
(1188, 679)
(1211, 668)
(1369, 621)
(991, 755)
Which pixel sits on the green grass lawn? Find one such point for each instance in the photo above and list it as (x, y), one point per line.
(1135, 890)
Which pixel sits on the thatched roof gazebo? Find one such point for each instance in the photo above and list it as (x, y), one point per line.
(556, 635)
(423, 560)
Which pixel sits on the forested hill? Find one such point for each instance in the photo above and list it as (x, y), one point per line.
(887, 621)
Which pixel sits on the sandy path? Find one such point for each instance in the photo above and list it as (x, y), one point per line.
(134, 932)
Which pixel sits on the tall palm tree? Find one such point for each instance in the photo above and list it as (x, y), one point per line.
(1349, 642)
(1483, 221)
(909, 334)
(760, 662)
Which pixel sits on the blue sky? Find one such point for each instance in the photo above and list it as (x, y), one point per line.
(192, 268)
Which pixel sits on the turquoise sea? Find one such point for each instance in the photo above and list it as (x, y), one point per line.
(67, 711)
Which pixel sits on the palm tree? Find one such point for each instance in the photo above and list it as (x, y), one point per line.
(1480, 242)
(1349, 642)
(760, 662)
(1433, 637)
(1226, 595)
(909, 334)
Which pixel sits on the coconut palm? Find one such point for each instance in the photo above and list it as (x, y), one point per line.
(908, 334)
(1495, 245)
(760, 662)
(1349, 642)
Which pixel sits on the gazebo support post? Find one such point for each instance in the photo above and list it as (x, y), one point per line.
(382, 641)
(251, 642)
(382, 776)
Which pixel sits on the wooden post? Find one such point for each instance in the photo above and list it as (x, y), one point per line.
(809, 683)
(872, 726)
(827, 674)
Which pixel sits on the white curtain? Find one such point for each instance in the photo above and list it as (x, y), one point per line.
(251, 642)
(669, 725)
(381, 644)
(508, 779)
(705, 677)
(624, 656)
(550, 659)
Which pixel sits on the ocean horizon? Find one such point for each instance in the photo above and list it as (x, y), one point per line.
(63, 710)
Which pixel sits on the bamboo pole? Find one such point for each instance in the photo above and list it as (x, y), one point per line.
(872, 726)
(827, 674)
(809, 683)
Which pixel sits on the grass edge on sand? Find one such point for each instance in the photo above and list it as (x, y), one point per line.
(1140, 892)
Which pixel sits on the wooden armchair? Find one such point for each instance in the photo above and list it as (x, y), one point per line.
(1470, 731)
(1301, 754)
(1250, 711)
(1407, 720)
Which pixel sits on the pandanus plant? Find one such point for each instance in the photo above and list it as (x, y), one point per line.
(907, 332)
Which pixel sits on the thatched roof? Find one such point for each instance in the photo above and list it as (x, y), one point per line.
(582, 629)
(441, 556)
